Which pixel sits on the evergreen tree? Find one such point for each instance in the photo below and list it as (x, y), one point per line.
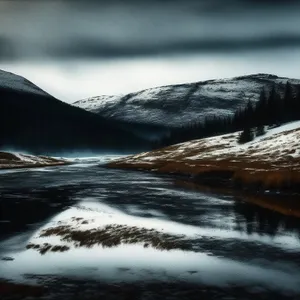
(248, 115)
(246, 136)
(297, 104)
(275, 107)
(261, 109)
(288, 102)
(260, 130)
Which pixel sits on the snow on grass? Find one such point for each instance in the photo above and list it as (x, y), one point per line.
(279, 145)
(10, 160)
(99, 215)
(280, 139)
(285, 127)
(91, 216)
(27, 158)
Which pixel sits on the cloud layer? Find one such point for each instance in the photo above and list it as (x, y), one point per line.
(83, 29)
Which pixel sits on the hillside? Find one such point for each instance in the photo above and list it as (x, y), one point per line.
(271, 161)
(177, 105)
(32, 120)
(17, 160)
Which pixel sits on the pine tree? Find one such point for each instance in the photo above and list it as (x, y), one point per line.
(249, 114)
(288, 102)
(246, 136)
(260, 130)
(269, 110)
(275, 107)
(261, 108)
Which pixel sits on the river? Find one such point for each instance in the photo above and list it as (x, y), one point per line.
(236, 250)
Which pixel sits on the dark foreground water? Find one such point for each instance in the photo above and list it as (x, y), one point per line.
(237, 250)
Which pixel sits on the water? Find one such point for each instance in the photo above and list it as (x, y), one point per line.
(236, 249)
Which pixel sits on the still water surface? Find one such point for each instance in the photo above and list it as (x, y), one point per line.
(238, 250)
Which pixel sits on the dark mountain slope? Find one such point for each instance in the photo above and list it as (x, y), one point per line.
(32, 120)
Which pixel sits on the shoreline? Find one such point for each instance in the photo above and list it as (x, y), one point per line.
(216, 176)
(33, 166)
(285, 204)
(15, 160)
(284, 201)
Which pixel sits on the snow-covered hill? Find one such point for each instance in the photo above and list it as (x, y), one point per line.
(11, 160)
(95, 103)
(271, 160)
(17, 83)
(176, 105)
(277, 144)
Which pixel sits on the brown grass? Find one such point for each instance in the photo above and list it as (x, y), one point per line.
(252, 170)
(111, 236)
(44, 248)
(8, 156)
(10, 161)
(264, 174)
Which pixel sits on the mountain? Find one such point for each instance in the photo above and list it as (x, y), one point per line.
(177, 105)
(32, 120)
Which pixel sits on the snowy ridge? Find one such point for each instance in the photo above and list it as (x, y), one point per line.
(10, 160)
(94, 103)
(14, 82)
(277, 149)
(278, 143)
(177, 105)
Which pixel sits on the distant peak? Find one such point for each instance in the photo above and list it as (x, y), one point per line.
(258, 75)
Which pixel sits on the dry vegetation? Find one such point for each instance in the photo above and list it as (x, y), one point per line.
(110, 236)
(43, 248)
(15, 161)
(270, 163)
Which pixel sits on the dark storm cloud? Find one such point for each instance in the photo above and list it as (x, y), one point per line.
(93, 49)
(53, 29)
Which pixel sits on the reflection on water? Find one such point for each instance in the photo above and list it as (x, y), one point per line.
(254, 219)
(134, 263)
(231, 243)
(21, 207)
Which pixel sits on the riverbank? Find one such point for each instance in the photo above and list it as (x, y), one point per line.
(284, 203)
(268, 163)
(13, 160)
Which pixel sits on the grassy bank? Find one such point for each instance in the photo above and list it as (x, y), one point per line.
(270, 162)
(10, 160)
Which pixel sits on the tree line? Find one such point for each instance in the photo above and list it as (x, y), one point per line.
(44, 125)
(272, 108)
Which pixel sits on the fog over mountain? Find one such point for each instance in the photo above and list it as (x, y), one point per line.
(112, 47)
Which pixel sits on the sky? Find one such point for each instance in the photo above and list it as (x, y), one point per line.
(78, 49)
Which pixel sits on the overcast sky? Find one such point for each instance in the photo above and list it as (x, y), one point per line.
(77, 49)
